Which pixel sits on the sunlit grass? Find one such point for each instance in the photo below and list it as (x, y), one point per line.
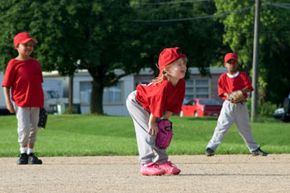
(79, 135)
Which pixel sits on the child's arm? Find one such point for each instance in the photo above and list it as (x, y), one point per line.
(226, 95)
(8, 102)
(246, 90)
(153, 128)
(167, 115)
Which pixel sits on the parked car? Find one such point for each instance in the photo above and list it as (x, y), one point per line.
(283, 112)
(200, 107)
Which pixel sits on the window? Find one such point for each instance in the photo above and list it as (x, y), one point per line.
(189, 90)
(113, 94)
(85, 93)
(197, 88)
(52, 94)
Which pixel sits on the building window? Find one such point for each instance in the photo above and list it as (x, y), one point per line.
(85, 92)
(189, 90)
(113, 94)
(197, 88)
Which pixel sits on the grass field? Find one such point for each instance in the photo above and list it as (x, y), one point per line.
(82, 135)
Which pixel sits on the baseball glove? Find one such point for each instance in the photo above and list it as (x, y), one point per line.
(237, 97)
(42, 118)
(165, 134)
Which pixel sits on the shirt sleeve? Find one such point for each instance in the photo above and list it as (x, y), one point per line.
(221, 87)
(9, 75)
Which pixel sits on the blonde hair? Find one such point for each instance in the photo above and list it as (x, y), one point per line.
(163, 76)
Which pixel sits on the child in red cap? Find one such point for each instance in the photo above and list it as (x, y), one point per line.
(158, 100)
(23, 79)
(233, 112)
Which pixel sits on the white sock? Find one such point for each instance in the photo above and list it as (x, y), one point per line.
(29, 150)
(23, 149)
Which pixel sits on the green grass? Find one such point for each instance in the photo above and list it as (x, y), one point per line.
(79, 135)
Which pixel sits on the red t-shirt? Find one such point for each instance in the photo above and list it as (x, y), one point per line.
(227, 84)
(162, 97)
(25, 79)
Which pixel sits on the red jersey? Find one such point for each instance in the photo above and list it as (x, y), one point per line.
(162, 97)
(24, 77)
(228, 84)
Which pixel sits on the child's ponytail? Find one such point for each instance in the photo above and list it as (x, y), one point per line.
(162, 76)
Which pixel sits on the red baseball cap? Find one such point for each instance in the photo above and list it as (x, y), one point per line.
(230, 56)
(22, 38)
(169, 55)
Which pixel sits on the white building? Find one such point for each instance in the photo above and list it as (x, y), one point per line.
(114, 98)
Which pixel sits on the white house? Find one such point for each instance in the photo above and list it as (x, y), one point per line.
(114, 98)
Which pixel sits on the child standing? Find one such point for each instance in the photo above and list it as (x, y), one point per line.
(154, 101)
(232, 112)
(23, 80)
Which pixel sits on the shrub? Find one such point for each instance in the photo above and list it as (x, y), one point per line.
(266, 109)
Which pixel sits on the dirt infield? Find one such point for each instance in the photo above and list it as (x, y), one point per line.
(120, 174)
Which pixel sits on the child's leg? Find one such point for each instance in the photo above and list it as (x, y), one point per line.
(145, 141)
(224, 122)
(23, 121)
(243, 124)
(34, 117)
(160, 155)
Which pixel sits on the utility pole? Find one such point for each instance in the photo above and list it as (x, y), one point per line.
(255, 60)
(70, 94)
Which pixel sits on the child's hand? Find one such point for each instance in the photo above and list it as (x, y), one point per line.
(8, 102)
(10, 107)
(237, 97)
(153, 128)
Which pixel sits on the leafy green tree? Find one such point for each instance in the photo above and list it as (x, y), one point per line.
(275, 47)
(73, 34)
(104, 35)
(274, 42)
(171, 23)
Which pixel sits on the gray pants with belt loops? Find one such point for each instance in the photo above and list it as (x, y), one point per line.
(148, 152)
(231, 113)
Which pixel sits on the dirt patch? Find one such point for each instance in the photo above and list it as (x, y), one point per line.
(120, 174)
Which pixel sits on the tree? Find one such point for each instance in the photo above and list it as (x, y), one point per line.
(104, 35)
(274, 42)
(73, 34)
(275, 48)
(180, 24)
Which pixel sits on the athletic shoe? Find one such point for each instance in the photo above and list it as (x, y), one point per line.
(258, 152)
(209, 152)
(32, 159)
(151, 169)
(23, 159)
(169, 168)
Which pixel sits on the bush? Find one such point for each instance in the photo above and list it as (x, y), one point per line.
(266, 109)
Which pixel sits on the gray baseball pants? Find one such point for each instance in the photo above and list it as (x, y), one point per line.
(148, 152)
(27, 124)
(231, 113)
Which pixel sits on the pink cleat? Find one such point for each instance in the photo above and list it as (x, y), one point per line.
(151, 169)
(170, 168)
